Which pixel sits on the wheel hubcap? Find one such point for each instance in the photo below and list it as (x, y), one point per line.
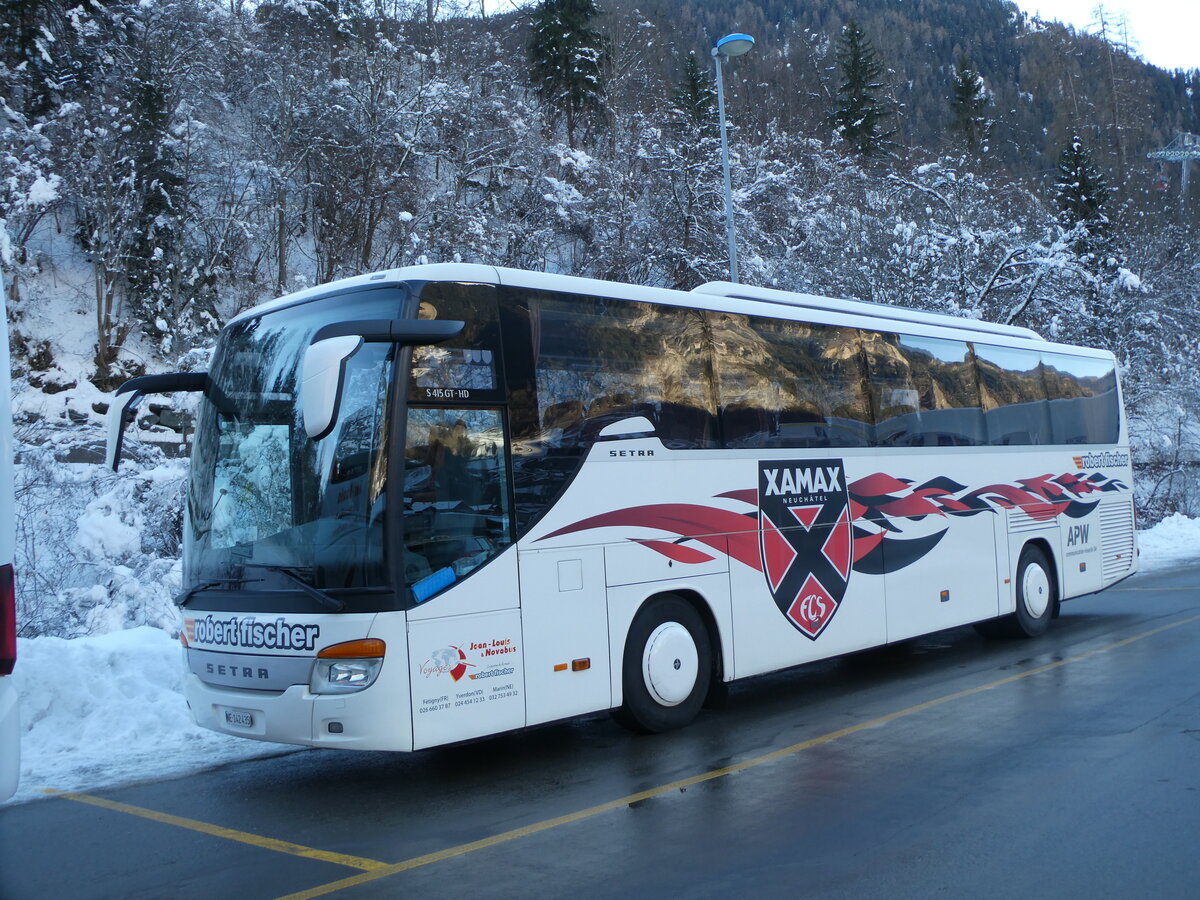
(1035, 587)
(670, 664)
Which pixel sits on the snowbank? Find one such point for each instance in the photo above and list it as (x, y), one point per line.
(106, 710)
(109, 709)
(1173, 541)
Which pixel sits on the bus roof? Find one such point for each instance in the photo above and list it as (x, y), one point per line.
(746, 299)
(862, 308)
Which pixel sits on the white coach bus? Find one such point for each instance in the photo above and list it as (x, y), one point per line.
(10, 731)
(448, 501)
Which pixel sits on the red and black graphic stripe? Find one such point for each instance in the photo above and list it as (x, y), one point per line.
(876, 504)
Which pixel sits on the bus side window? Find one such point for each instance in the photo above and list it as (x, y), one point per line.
(941, 390)
(1083, 399)
(895, 398)
(562, 415)
(841, 387)
(599, 360)
(1014, 395)
(582, 363)
(789, 384)
(456, 512)
(746, 425)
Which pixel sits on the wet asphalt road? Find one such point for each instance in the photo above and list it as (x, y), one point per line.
(1067, 766)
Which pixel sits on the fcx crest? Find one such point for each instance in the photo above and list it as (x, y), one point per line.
(805, 538)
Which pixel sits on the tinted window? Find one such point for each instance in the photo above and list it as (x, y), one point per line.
(924, 391)
(1014, 395)
(580, 363)
(468, 366)
(1084, 408)
(601, 360)
(789, 384)
(456, 514)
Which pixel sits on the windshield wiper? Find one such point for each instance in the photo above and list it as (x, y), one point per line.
(326, 600)
(183, 599)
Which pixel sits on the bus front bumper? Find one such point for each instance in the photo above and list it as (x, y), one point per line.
(360, 721)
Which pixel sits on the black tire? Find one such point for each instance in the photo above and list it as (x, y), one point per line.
(1037, 599)
(667, 667)
(1037, 595)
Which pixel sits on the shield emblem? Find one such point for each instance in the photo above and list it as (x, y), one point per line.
(805, 538)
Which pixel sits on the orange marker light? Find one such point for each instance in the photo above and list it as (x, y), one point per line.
(365, 648)
(560, 667)
(580, 665)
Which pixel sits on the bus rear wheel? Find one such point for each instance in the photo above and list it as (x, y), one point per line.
(1035, 593)
(667, 666)
(1037, 602)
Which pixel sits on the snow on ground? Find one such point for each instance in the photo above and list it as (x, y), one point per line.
(106, 710)
(1174, 540)
(109, 709)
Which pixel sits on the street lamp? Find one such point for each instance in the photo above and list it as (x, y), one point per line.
(730, 45)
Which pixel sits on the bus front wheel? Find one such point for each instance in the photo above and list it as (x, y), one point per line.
(667, 666)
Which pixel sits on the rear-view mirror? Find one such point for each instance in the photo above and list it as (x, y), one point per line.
(125, 400)
(324, 372)
(120, 413)
(322, 380)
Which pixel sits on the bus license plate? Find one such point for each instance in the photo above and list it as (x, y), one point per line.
(239, 718)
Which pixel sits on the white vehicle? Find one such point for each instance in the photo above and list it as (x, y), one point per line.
(10, 726)
(448, 501)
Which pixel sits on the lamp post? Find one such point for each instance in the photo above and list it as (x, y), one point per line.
(730, 45)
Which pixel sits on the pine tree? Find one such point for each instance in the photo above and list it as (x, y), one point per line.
(1080, 191)
(968, 101)
(567, 58)
(862, 109)
(694, 100)
(1080, 194)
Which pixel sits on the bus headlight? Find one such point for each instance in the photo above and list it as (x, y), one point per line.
(349, 667)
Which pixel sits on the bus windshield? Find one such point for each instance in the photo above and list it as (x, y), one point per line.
(266, 505)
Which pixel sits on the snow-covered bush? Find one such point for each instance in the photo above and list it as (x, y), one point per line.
(96, 551)
(1166, 445)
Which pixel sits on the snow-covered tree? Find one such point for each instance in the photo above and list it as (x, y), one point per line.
(29, 189)
(687, 176)
(694, 99)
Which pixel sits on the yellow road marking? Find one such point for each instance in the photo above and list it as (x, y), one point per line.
(230, 834)
(538, 827)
